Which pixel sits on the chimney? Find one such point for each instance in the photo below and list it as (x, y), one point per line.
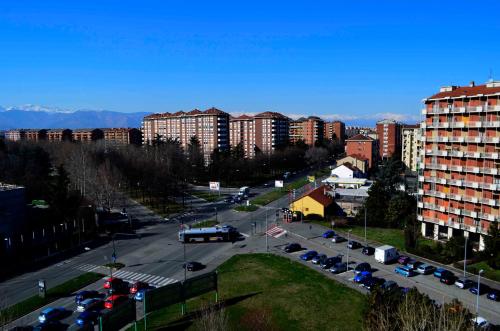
(472, 84)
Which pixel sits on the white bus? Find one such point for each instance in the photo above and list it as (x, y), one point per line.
(216, 233)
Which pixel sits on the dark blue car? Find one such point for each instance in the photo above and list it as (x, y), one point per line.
(362, 277)
(87, 318)
(84, 295)
(328, 234)
(308, 255)
(439, 272)
(474, 289)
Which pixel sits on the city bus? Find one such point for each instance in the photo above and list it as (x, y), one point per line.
(216, 233)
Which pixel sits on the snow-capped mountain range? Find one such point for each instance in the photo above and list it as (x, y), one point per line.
(39, 117)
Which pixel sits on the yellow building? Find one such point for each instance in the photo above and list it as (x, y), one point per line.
(315, 202)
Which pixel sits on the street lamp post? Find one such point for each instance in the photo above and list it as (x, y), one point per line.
(216, 220)
(478, 291)
(348, 240)
(465, 256)
(267, 239)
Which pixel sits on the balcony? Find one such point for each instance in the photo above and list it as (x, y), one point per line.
(456, 153)
(439, 125)
(491, 124)
(489, 155)
(472, 154)
(469, 213)
(457, 139)
(455, 211)
(436, 166)
(456, 168)
(436, 152)
(493, 108)
(470, 199)
(488, 217)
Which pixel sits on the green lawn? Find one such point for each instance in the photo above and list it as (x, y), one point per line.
(265, 287)
(205, 224)
(208, 196)
(269, 197)
(393, 237)
(489, 272)
(54, 293)
(246, 208)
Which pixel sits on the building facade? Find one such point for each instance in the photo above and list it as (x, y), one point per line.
(242, 131)
(335, 131)
(310, 130)
(271, 131)
(211, 127)
(389, 136)
(411, 145)
(459, 181)
(363, 147)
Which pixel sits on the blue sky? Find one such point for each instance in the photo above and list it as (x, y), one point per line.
(336, 59)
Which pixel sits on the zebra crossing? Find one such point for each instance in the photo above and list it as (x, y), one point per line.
(275, 231)
(88, 267)
(131, 276)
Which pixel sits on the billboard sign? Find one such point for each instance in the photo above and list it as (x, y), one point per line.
(278, 183)
(214, 186)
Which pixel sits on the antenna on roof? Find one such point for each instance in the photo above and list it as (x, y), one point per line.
(491, 75)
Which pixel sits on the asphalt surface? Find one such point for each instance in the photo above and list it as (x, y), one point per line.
(154, 254)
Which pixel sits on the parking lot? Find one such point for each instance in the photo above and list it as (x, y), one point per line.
(427, 284)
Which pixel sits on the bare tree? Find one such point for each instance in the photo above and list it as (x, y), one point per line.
(212, 318)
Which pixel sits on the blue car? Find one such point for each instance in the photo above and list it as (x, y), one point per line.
(139, 296)
(362, 277)
(405, 271)
(328, 234)
(439, 272)
(494, 295)
(308, 255)
(84, 295)
(50, 314)
(87, 318)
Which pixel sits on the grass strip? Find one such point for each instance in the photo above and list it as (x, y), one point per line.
(269, 197)
(63, 290)
(208, 196)
(265, 291)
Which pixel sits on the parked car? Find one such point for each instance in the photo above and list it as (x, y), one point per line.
(339, 268)
(193, 266)
(137, 286)
(87, 318)
(414, 264)
(330, 262)
(389, 285)
(319, 258)
(83, 295)
(367, 250)
(362, 276)
(229, 200)
(439, 271)
(362, 267)
(448, 278)
(307, 256)
(425, 269)
(89, 304)
(294, 247)
(50, 314)
(338, 239)
(493, 294)
(404, 271)
(328, 234)
(114, 300)
(371, 283)
(463, 283)
(353, 244)
(403, 259)
(483, 288)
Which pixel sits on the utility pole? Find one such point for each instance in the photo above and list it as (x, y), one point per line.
(478, 291)
(267, 239)
(216, 220)
(348, 240)
(366, 243)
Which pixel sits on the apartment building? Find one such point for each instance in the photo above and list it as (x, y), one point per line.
(410, 146)
(271, 131)
(310, 130)
(362, 147)
(389, 136)
(242, 131)
(335, 131)
(459, 182)
(211, 127)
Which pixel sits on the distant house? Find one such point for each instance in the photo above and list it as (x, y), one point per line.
(347, 170)
(358, 161)
(316, 202)
(362, 146)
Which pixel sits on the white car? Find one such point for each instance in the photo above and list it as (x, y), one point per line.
(481, 322)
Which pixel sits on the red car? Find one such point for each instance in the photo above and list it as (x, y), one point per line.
(111, 281)
(114, 300)
(137, 286)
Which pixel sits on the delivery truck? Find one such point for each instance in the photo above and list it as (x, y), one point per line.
(386, 254)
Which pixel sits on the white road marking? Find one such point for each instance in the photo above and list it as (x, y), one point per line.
(244, 234)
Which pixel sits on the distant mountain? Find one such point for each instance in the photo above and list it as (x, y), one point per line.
(38, 117)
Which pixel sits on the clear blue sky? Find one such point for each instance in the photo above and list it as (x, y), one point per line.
(350, 58)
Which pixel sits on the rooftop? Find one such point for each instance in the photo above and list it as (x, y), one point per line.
(471, 90)
(359, 137)
(9, 187)
(320, 195)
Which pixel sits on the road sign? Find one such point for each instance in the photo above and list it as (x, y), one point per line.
(311, 179)
(214, 186)
(278, 183)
